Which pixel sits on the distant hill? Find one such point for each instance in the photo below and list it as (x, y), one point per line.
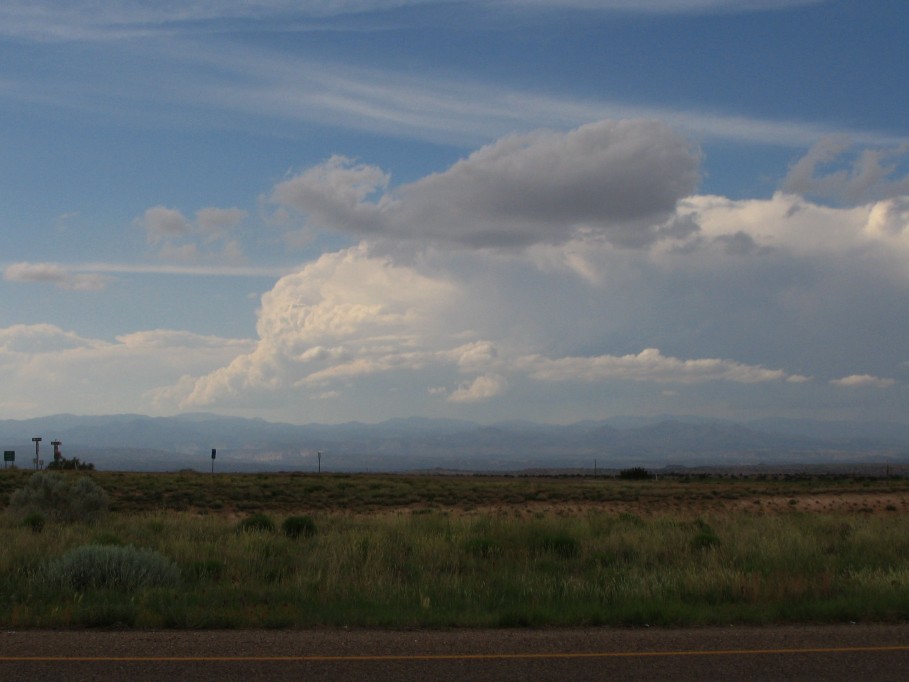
(137, 442)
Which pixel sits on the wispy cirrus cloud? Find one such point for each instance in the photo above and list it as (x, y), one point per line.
(240, 85)
(94, 276)
(118, 19)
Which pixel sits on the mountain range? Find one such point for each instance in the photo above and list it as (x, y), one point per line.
(137, 442)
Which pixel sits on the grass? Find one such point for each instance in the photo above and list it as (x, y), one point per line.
(424, 551)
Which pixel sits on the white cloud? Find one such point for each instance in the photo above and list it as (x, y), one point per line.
(619, 180)
(863, 381)
(354, 323)
(648, 365)
(36, 339)
(45, 369)
(344, 316)
(482, 388)
(875, 232)
(53, 273)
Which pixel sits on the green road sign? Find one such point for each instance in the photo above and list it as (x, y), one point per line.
(9, 455)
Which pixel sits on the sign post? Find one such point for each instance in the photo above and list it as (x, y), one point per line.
(213, 453)
(36, 440)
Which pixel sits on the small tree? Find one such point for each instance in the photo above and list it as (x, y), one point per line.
(636, 474)
(64, 464)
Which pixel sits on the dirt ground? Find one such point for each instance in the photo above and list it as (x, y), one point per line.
(893, 502)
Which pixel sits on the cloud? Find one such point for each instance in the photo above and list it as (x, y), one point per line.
(215, 222)
(345, 316)
(863, 381)
(161, 223)
(790, 225)
(180, 239)
(218, 80)
(41, 338)
(355, 325)
(45, 369)
(52, 273)
(648, 365)
(481, 389)
(108, 19)
(619, 180)
(834, 169)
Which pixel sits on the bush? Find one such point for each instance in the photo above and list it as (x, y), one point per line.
(111, 567)
(261, 523)
(58, 497)
(64, 464)
(34, 522)
(296, 526)
(635, 474)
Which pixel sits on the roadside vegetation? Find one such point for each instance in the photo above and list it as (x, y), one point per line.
(235, 551)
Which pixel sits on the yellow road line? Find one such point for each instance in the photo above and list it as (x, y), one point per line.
(447, 657)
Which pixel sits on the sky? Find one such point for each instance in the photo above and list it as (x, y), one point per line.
(544, 210)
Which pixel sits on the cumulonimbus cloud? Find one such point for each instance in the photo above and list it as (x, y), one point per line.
(353, 316)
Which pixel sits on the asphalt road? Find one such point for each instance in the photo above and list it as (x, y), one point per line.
(830, 653)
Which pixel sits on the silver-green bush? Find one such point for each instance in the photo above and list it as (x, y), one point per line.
(59, 497)
(111, 567)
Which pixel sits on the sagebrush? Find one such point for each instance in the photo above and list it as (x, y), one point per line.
(59, 497)
(111, 567)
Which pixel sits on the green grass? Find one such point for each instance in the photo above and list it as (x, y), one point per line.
(462, 551)
(437, 569)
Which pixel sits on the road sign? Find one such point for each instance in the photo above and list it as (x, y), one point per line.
(9, 455)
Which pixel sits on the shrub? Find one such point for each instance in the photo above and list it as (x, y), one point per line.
(207, 569)
(296, 526)
(58, 497)
(111, 567)
(261, 523)
(65, 464)
(558, 544)
(34, 521)
(635, 474)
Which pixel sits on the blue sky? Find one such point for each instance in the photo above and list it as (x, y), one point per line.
(530, 209)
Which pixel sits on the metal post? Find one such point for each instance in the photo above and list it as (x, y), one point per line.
(319, 458)
(36, 440)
